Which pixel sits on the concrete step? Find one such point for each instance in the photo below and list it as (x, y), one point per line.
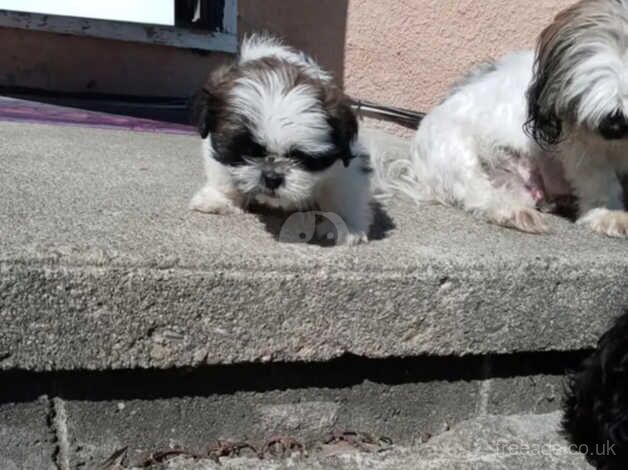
(129, 321)
(102, 267)
(488, 443)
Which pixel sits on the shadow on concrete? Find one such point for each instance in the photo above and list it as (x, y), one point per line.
(346, 371)
(315, 228)
(382, 223)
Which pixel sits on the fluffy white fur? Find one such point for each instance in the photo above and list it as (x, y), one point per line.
(257, 47)
(480, 124)
(283, 117)
(472, 150)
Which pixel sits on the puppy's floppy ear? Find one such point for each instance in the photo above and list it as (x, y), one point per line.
(204, 109)
(343, 122)
(544, 124)
(210, 101)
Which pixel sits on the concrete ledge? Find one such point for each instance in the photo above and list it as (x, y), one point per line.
(103, 267)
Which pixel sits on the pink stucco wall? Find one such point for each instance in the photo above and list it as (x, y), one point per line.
(407, 52)
(401, 52)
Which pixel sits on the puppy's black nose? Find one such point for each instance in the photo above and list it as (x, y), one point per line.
(272, 180)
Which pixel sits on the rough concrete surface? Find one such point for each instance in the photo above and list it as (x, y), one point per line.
(102, 266)
(27, 439)
(488, 443)
(90, 415)
(404, 412)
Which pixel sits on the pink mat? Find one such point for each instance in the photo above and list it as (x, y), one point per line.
(17, 110)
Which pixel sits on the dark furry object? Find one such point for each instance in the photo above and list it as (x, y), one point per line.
(596, 407)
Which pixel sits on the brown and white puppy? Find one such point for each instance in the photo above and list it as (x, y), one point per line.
(279, 133)
(578, 107)
(532, 128)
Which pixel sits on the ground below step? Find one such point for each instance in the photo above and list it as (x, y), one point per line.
(488, 443)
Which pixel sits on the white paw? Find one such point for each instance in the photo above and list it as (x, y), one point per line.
(212, 201)
(523, 219)
(353, 238)
(334, 230)
(607, 222)
(325, 228)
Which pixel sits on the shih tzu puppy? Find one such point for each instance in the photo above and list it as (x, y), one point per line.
(596, 406)
(279, 133)
(534, 129)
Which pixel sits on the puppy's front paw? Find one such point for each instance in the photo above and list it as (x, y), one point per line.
(211, 201)
(333, 230)
(523, 219)
(607, 222)
(353, 238)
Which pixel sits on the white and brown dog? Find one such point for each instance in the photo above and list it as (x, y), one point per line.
(279, 133)
(532, 127)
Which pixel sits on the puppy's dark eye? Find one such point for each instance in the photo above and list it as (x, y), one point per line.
(297, 154)
(253, 149)
(614, 126)
(317, 162)
(243, 145)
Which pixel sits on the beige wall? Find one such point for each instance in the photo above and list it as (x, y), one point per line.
(407, 52)
(402, 52)
(316, 26)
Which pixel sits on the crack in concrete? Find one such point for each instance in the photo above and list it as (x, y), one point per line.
(58, 423)
(484, 395)
(485, 387)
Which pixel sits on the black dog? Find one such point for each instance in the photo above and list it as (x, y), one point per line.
(596, 407)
